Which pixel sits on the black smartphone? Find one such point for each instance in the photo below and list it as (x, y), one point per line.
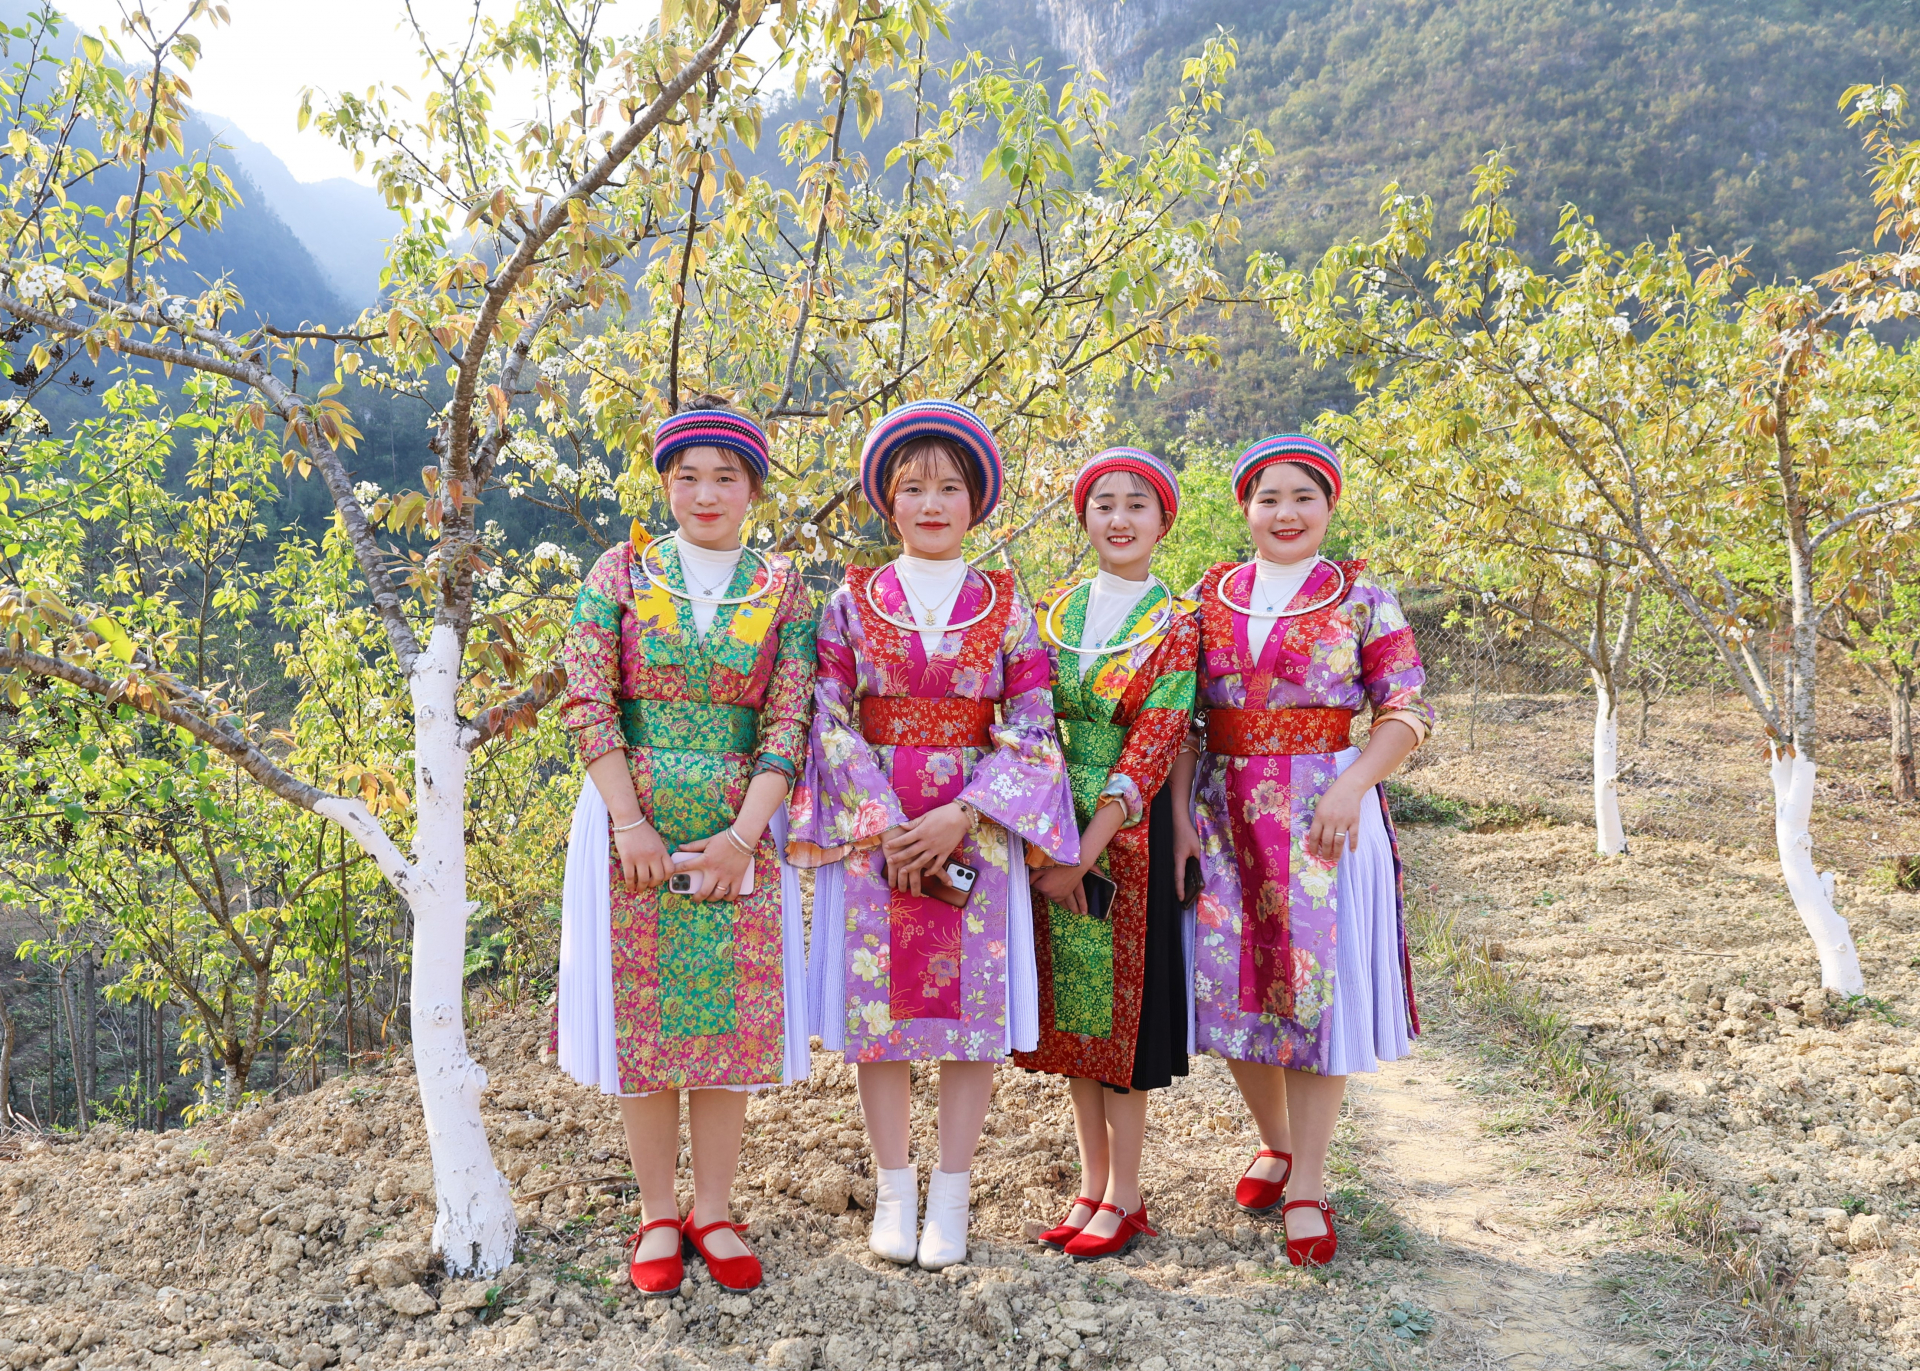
(1191, 882)
(1100, 890)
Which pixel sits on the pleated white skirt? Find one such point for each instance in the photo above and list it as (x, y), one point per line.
(587, 1051)
(1370, 994)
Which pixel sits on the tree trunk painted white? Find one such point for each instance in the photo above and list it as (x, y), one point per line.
(474, 1229)
(1610, 835)
(1812, 893)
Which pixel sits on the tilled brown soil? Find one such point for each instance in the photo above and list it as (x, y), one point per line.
(296, 1236)
(1689, 973)
(1687, 969)
(1479, 1227)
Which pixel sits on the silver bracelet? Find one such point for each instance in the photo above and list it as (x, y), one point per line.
(740, 844)
(628, 828)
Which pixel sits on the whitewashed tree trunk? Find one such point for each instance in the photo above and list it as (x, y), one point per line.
(1610, 835)
(474, 1229)
(1793, 777)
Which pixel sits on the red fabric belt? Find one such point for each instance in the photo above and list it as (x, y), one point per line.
(902, 720)
(1278, 732)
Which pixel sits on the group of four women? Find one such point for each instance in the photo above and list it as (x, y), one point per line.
(1088, 836)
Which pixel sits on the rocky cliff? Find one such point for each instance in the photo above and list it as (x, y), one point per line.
(1114, 37)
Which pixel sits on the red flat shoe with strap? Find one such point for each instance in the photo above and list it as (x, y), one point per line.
(738, 1274)
(659, 1275)
(1317, 1250)
(1133, 1227)
(1258, 1196)
(1064, 1232)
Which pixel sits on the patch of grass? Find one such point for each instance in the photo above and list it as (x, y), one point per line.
(1410, 806)
(1902, 872)
(1855, 1005)
(1370, 1227)
(1506, 815)
(1507, 1123)
(579, 1275)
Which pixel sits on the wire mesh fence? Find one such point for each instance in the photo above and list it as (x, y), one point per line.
(1493, 672)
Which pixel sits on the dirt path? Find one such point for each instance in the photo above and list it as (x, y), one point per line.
(1495, 1259)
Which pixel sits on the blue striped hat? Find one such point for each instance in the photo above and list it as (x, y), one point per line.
(1285, 447)
(909, 424)
(710, 428)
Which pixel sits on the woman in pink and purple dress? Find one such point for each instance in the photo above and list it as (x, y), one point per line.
(933, 744)
(1301, 973)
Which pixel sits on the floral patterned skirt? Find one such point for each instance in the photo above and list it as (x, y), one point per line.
(1350, 978)
(609, 1029)
(1121, 1018)
(851, 970)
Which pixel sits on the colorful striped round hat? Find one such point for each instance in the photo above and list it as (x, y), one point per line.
(1141, 463)
(1285, 447)
(710, 428)
(931, 419)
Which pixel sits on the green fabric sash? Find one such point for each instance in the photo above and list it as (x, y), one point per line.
(695, 747)
(689, 726)
(1082, 946)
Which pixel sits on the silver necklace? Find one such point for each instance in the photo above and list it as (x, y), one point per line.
(1248, 611)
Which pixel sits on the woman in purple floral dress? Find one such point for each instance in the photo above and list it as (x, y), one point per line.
(933, 754)
(1301, 973)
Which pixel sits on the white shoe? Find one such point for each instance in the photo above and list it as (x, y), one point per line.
(944, 1240)
(896, 1213)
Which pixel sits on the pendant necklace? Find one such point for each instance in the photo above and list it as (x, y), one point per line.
(659, 582)
(914, 601)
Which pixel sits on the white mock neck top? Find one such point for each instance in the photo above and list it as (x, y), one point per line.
(1274, 587)
(708, 574)
(1109, 602)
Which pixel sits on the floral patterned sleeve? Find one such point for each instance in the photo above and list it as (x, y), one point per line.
(1022, 783)
(789, 702)
(591, 655)
(1390, 670)
(1157, 733)
(844, 797)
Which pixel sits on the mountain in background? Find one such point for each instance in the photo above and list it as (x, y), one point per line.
(1714, 119)
(342, 224)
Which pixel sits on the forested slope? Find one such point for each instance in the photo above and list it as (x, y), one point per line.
(1715, 119)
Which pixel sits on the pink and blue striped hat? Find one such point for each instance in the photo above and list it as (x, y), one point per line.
(710, 428)
(909, 424)
(1285, 447)
(1141, 463)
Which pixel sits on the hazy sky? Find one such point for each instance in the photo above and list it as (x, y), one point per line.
(251, 71)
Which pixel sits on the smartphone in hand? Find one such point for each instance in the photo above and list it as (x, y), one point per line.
(1191, 882)
(694, 883)
(1100, 890)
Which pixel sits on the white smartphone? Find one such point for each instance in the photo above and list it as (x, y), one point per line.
(695, 882)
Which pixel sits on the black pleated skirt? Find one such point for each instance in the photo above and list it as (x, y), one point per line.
(1160, 1052)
